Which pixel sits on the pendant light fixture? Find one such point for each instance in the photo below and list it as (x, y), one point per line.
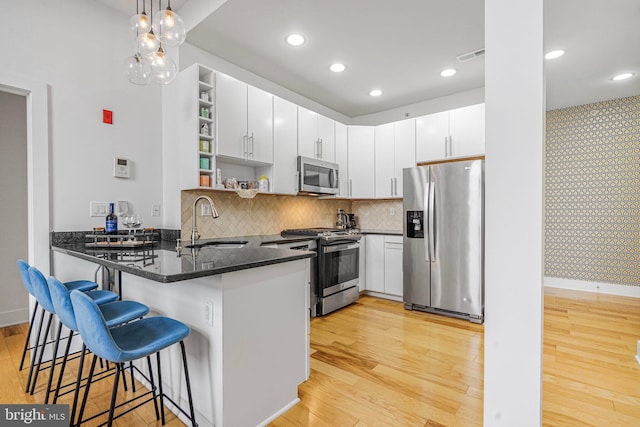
(150, 62)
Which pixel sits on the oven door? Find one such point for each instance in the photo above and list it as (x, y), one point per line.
(338, 266)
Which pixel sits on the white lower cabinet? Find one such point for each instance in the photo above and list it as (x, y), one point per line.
(384, 265)
(362, 267)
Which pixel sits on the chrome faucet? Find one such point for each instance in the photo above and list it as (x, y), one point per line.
(194, 230)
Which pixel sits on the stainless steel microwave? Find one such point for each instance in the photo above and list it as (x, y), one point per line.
(317, 176)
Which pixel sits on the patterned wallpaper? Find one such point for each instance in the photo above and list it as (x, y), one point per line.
(592, 196)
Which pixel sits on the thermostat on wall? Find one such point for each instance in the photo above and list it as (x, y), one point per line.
(121, 167)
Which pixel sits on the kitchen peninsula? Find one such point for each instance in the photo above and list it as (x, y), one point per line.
(247, 307)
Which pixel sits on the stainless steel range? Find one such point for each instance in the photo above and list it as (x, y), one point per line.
(337, 268)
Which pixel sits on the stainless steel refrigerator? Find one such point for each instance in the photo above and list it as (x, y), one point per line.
(443, 257)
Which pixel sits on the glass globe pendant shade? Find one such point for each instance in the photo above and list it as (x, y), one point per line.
(147, 43)
(139, 24)
(163, 69)
(170, 27)
(137, 70)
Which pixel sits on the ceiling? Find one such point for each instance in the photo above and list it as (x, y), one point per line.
(402, 46)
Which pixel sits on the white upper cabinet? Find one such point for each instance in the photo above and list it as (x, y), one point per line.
(384, 168)
(361, 162)
(455, 133)
(466, 131)
(316, 135)
(395, 145)
(245, 121)
(285, 142)
(342, 159)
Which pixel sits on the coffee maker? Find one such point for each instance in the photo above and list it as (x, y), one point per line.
(345, 221)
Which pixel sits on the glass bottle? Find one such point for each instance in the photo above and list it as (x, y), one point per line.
(111, 221)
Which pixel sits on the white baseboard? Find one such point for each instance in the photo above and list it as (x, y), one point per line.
(383, 295)
(280, 412)
(603, 288)
(14, 317)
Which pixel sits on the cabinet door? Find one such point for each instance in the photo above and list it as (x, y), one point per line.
(285, 137)
(342, 159)
(326, 134)
(231, 106)
(384, 170)
(361, 161)
(432, 132)
(466, 127)
(260, 125)
(362, 267)
(393, 265)
(375, 262)
(405, 151)
(307, 133)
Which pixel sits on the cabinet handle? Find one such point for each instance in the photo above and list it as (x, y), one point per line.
(395, 186)
(350, 187)
(391, 186)
(320, 147)
(450, 146)
(245, 143)
(251, 145)
(446, 146)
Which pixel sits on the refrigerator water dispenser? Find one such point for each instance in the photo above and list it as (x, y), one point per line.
(415, 224)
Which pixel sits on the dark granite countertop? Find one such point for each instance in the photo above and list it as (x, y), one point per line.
(163, 263)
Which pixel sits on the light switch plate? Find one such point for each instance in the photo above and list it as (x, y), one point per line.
(98, 208)
(155, 210)
(122, 207)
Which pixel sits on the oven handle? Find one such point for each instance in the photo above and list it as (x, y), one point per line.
(336, 248)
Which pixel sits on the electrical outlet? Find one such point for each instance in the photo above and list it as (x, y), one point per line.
(208, 312)
(98, 208)
(392, 211)
(155, 210)
(205, 209)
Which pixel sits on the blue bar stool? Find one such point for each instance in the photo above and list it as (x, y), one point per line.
(23, 267)
(126, 343)
(41, 292)
(114, 313)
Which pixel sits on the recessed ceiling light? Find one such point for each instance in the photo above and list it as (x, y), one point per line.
(375, 92)
(554, 54)
(623, 76)
(448, 72)
(295, 39)
(337, 67)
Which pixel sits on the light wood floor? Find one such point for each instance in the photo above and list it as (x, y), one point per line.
(374, 363)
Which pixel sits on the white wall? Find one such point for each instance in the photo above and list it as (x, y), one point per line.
(13, 210)
(77, 47)
(514, 77)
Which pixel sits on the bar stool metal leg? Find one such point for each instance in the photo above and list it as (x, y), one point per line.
(42, 349)
(186, 376)
(54, 356)
(26, 341)
(34, 351)
(63, 366)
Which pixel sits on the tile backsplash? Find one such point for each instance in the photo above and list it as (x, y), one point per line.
(377, 214)
(270, 214)
(263, 215)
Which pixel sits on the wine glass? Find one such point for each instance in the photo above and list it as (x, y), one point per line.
(128, 221)
(135, 221)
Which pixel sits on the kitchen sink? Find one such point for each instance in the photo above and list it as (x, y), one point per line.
(219, 244)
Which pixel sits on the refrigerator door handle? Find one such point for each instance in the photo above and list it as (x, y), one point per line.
(425, 225)
(432, 220)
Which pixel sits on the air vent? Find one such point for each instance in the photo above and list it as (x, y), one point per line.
(470, 55)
